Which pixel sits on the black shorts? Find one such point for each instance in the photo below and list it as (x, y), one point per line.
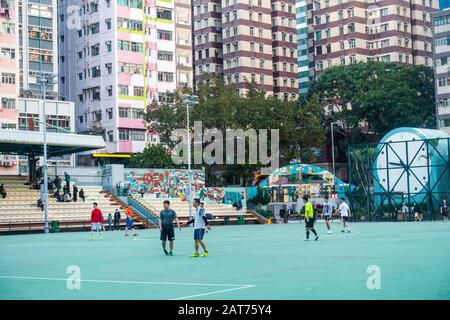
(327, 218)
(444, 214)
(310, 223)
(345, 219)
(168, 233)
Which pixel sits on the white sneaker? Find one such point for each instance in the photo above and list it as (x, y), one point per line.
(306, 240)
(329, 232)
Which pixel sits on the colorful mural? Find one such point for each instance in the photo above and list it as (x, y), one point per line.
(164, 183)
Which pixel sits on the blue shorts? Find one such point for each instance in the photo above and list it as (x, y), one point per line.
(129, 223)
(198, 234)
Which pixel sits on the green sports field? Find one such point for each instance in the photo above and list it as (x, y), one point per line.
(245, 262)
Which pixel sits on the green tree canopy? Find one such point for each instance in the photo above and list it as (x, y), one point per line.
(220, 107)
(384, 96)
(155, 156)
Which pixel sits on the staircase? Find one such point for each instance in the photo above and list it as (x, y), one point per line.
(18, 211)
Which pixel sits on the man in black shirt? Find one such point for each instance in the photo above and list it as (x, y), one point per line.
(116, 219)
(166, 226)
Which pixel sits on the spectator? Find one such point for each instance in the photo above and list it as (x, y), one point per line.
(416, 213)
(2, 191)
(67, 178)
(66, 189)
(110, 221)
(49, 185)
(81, 194)
(67, 197)
(40, 204)
(117, 220)
(75, 193)
(405, 211)
(142, 191)
(57, 183)
(58, 197)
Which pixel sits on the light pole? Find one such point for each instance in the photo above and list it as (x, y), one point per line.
(45, 79)
(332, 155)
(189, 100)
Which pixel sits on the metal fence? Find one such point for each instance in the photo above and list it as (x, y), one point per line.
(395, 180)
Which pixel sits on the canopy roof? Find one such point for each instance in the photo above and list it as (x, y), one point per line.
(58, 144)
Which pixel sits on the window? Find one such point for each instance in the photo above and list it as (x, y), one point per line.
(138, 91)
(95, 71)
(108, 46)
(8, 78)
(165, 76)
(352, 43)
(163, 13)
(165, 55)
(108, 24)
(95, 28)
(8, 53)
(164, 35)
(8, 103)
(136, 46)
(95, 50)
(123, 45)
(109, 91)
(123, 89)
(108, 67)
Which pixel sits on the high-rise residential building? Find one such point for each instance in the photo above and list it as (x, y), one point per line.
(9, 63)
(302, 45)
(120, 56)
(441, 37)
(28, 44)
(347, 32)
(284, 49)
(207, 38)
(247, 40)
(444, 4)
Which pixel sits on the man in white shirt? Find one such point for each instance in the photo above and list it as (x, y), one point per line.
(327, 213)
(200, 223)
(344, 211)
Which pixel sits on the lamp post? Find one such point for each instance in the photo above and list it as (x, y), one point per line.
(189, 100)
(44, 80)
(332, 155)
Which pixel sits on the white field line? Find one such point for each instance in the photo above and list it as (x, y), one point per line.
(213, 292)
(128, 282)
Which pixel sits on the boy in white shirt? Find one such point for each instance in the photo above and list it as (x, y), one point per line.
(344, 211)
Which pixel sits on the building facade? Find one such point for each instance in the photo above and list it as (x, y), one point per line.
(29, 49)
(302, 45)
(347, 32)
(121, 56)
(441, 37)
(245, 41)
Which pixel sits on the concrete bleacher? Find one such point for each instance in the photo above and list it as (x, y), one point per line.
(220, 212)
(18, 210)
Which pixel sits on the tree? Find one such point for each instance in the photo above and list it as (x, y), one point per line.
(383, 96)
(152, 157)
(221, 108)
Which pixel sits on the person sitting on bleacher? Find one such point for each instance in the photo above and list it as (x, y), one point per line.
(82, 195)
(40, 204)
(2, 191)
(67, 197)
(58, 197)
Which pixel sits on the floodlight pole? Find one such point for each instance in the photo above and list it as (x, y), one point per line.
(189, 160)
(44, 80)
(332, 156)
(45, 158)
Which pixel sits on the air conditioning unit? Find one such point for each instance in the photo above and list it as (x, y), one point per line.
(7, 163)
(1, 163)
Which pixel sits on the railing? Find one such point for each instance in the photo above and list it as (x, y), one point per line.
(144, 212)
